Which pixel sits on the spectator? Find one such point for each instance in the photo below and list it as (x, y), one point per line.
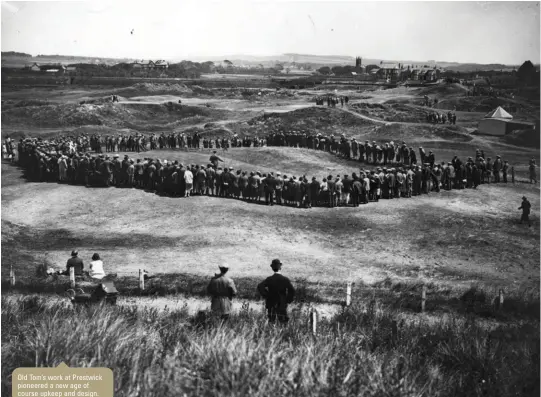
(96, 267)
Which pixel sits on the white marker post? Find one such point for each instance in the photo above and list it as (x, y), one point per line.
(348, 294)
(141, 280)
(72, 277)
(501, 298)
(12, 276)
(423, 298)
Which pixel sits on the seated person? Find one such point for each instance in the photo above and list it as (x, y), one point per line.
(96, 267)
(76, 263)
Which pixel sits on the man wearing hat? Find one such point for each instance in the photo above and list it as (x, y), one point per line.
(117, 169)
(278, 293)
(214, 159)
(106, 169)
(76, 263)
(525, 207)
(222, 290)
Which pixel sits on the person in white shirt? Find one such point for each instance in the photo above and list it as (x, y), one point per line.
(96, 267)
(188, 178)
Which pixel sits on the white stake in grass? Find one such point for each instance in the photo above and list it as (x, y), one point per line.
(141, 280)
(423, 298)
(12, 276)
(348, 294)
(72, 277)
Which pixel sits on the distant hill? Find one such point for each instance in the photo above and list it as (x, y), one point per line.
(474, 67)
(19, 59)
(15, 54)
(13, 59)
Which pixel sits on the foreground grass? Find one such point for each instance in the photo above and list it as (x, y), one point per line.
(362, 351)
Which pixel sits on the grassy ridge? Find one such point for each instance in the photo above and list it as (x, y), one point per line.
(362, 351)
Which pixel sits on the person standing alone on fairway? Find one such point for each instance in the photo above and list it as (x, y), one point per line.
(525, 207)
(222, 290)
(278, 293)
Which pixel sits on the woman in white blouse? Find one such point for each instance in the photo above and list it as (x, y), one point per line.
(96, 267)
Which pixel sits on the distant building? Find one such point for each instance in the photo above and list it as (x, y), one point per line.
(58, 69)
(425, 74)
(31, 66)
(149, 65)
(359, 68)
(160, 65)
(388, 71)
(499, 122)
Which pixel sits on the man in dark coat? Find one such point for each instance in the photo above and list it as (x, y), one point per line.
(356, 190)
(106, 169)
(278, 293)
(417, 181)
(476, 176)
(270, 187)
(525, 207)
(346, 189)
(314, 191)
(76, 263)
(431, 159)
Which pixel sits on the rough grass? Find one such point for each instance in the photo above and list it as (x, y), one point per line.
(362, 351)
(320, 119)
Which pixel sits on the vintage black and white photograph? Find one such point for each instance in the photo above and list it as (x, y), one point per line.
(270, 198)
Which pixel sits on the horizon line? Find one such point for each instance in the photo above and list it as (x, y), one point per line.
(187, 58)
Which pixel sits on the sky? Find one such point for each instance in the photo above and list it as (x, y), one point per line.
(480, 32)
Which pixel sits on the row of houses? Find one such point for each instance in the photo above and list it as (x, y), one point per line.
(50, 68)
(143, 65)
(399, 72)
(149, 65)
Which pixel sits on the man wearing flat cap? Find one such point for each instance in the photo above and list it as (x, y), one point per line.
(278, 293)
(222, 290)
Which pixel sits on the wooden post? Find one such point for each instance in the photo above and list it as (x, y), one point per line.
(513, 175)
(141, 280)
(394, 331)
(501, 298)
(423, 298)
(313, 321)
(348, 294)
(72, 277)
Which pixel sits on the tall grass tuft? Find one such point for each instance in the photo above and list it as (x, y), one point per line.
(365, 350)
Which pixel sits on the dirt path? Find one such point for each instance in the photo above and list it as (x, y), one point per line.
(362, 116)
